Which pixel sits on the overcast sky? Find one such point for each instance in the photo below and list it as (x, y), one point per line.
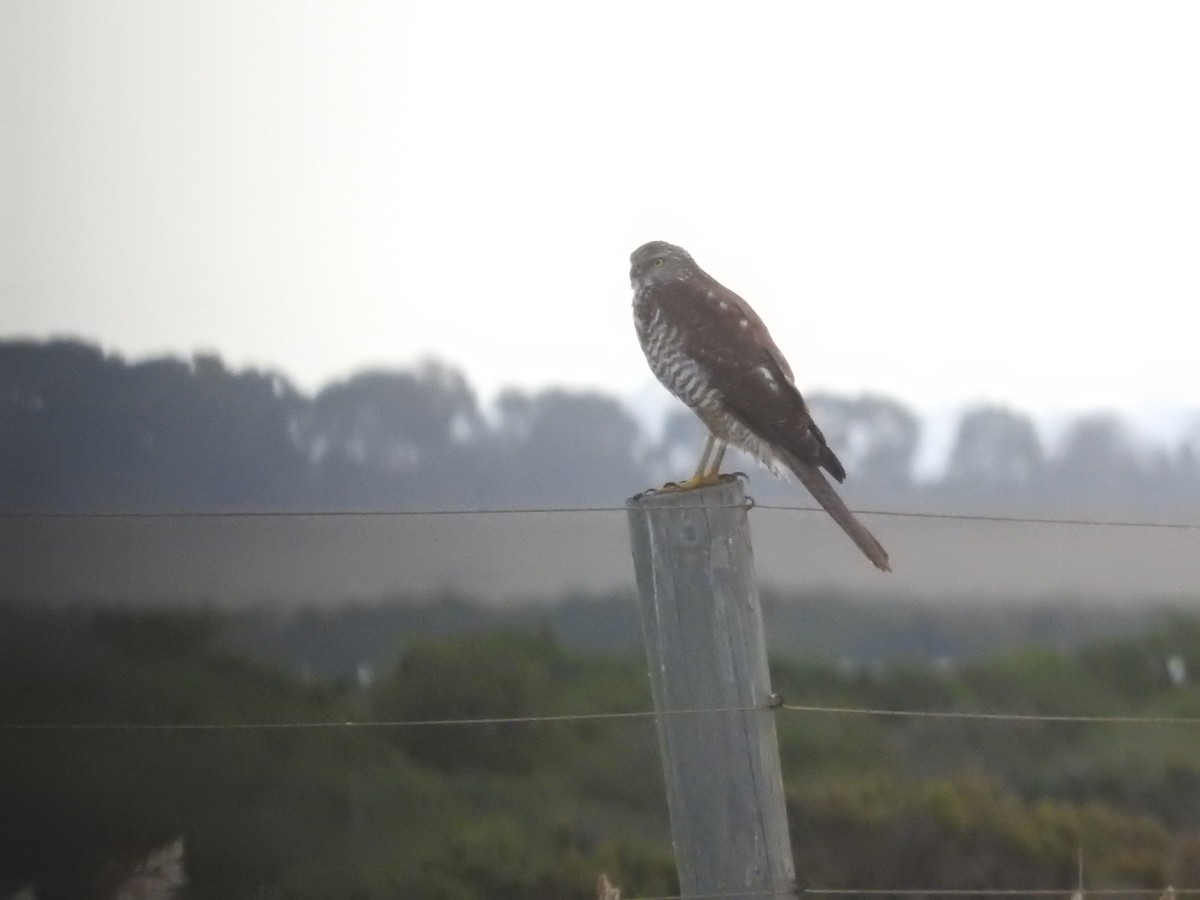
(945, 202)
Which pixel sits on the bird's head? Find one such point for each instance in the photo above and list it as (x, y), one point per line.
(659, 261)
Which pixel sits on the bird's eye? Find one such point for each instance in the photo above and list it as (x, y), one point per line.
(658, 261)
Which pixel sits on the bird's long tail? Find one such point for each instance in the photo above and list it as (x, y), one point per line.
(818, 485)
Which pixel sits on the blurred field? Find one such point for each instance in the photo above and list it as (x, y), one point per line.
(511, 557)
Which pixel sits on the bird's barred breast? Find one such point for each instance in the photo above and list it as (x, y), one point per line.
(684, 378)
(678, 372)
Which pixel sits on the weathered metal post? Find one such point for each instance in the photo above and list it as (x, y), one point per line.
(703, 631)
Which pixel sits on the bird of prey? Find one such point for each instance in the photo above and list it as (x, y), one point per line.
(712, 351)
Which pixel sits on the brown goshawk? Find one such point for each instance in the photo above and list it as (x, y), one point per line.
(712, 351)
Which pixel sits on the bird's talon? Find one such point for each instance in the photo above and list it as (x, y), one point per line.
(691, 484)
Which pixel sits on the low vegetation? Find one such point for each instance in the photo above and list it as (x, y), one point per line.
(533, 810)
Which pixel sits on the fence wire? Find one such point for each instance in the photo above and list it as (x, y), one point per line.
(566, 510)
(1046, 718)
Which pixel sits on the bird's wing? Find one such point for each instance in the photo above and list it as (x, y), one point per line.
(730, 343)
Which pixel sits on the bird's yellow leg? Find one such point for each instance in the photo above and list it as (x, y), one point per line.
(702, 466)
(706, 473)
(713, 473)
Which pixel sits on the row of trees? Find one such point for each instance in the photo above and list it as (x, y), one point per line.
(81, 429)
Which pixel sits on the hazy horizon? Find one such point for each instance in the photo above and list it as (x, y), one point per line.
(91, 434)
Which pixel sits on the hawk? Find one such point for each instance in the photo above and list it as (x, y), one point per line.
(712, 351)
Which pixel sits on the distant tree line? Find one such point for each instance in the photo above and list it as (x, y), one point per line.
(80, 429)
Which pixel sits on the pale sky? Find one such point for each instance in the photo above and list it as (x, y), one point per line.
(945, 202)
